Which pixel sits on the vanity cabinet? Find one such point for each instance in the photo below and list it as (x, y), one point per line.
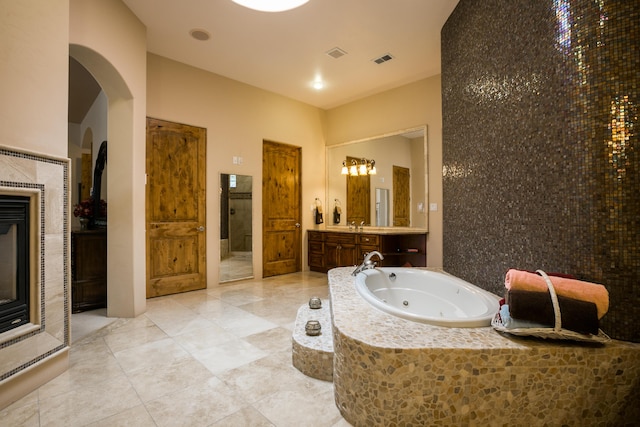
(330, 249)
(88, 270)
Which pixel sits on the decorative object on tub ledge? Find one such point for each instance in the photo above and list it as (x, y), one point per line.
(555, 332)
(313, 328)
(315, 303)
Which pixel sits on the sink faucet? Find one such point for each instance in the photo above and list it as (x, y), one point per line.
(367, 264)
(361, 225)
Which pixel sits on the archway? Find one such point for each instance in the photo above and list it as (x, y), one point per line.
(125, 249)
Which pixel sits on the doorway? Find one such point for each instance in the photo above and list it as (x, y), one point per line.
(281, 209)
(87, 124)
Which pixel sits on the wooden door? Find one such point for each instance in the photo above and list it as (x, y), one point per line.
(281, 234)
(175, 212)
(358, 197)
(401, 196)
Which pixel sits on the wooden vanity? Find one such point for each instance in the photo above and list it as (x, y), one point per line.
(335, 248)
(88, 270)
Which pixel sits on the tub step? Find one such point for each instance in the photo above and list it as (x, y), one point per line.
(313, 355)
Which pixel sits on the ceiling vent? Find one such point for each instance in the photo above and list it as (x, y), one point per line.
(336, 53)
(384, 58)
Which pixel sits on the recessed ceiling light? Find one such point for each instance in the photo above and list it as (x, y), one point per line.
(318, 85)
(270, 5)
(200, 34)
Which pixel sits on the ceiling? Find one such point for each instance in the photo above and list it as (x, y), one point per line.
(286, 52)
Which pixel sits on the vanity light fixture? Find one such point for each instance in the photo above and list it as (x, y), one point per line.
(345, 169)
(362, 170)
(366, 167)
(353, 170)
(270, 5)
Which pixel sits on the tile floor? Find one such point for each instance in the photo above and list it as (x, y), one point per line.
(216, 357)
(237, 265)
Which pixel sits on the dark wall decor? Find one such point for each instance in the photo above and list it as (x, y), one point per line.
(540, 145)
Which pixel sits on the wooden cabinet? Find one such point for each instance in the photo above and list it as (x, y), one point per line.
(88, 270)
(330, 249)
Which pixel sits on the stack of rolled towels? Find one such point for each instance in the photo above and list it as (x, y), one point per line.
(528, 303)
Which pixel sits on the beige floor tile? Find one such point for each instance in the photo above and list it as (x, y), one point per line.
(272, 341)
(203, 339)
(88, 404)
(24, 412)
(152, 382)
(293, 409)
(177, 325)
(137, 416)
(242, 323)
(199, 405)
(89, 321)
(156, 354)
(214, 357)
(245, 417)
(238, 297)
(228, 355)
(123, 339)
(82, 373)
(269, 375)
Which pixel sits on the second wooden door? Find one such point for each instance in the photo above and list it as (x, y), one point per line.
(281, 233)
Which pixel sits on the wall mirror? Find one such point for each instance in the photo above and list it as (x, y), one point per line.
(236, 242)
(400, 157)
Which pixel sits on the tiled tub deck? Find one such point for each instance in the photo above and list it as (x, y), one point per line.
(390, 371)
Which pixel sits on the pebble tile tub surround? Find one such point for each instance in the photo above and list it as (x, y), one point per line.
(390, 371)
(313, 355)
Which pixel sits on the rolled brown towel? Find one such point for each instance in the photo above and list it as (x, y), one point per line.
(576, 315)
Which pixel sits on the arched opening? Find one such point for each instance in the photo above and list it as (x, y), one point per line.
(125, 297)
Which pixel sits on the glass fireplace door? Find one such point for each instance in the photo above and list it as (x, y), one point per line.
(14, 262)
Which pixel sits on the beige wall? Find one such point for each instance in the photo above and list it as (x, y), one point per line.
(33, 117)
(237, 118)
(34, 69)
(401, 108)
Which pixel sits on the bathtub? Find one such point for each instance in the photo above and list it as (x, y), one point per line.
(391, 371)
(427, 296)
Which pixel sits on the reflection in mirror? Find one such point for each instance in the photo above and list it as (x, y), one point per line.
(382, 207)
(403, 151)
(236, 260)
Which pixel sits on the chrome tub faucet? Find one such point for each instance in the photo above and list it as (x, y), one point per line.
(367, 264)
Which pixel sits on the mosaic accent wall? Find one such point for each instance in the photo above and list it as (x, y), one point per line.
(540, 145)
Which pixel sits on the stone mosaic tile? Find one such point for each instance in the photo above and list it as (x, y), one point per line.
(313, 355)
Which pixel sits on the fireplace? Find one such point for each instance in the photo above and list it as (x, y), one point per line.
(14, 262)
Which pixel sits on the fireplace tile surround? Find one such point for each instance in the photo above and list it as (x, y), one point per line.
(46, 180)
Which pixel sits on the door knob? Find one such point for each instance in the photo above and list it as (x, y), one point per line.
(297, 225)
(201, 228)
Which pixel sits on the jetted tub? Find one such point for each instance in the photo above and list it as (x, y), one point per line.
(427, 296)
